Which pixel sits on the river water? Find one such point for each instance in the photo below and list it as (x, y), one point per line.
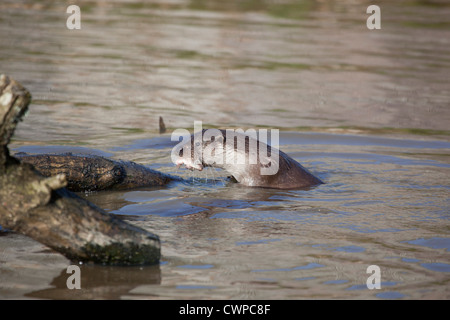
(364, 110)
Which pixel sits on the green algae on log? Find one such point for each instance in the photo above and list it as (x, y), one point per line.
(42, 208)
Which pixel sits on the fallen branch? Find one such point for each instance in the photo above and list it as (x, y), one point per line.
(43, 209)
(95, 173)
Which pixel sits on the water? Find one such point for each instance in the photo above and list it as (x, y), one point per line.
(348, 101)
(381, 204)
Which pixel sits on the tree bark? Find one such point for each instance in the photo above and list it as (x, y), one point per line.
(95, 173)
(42, 208)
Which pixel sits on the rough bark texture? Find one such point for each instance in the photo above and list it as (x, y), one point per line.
(95, 173)
(43, 209)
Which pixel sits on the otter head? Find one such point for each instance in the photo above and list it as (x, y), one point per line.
(189, 156)
(202, 149)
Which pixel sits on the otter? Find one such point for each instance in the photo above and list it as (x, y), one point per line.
(250, 161)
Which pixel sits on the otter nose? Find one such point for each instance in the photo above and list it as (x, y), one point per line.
(198, 165)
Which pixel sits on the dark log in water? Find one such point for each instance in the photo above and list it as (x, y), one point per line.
(43, 209)
(95, 173)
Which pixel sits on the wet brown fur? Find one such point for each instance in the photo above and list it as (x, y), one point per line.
(290, 174)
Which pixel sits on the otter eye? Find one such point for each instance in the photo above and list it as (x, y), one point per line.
(268, 165)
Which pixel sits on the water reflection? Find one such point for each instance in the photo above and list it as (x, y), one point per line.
(100, 282)
(435, 243)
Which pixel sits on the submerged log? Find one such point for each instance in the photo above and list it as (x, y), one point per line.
(42, 208)
(95, 173)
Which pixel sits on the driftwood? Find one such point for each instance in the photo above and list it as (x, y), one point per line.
(95, 173)
(43, 209)
(162, 126)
